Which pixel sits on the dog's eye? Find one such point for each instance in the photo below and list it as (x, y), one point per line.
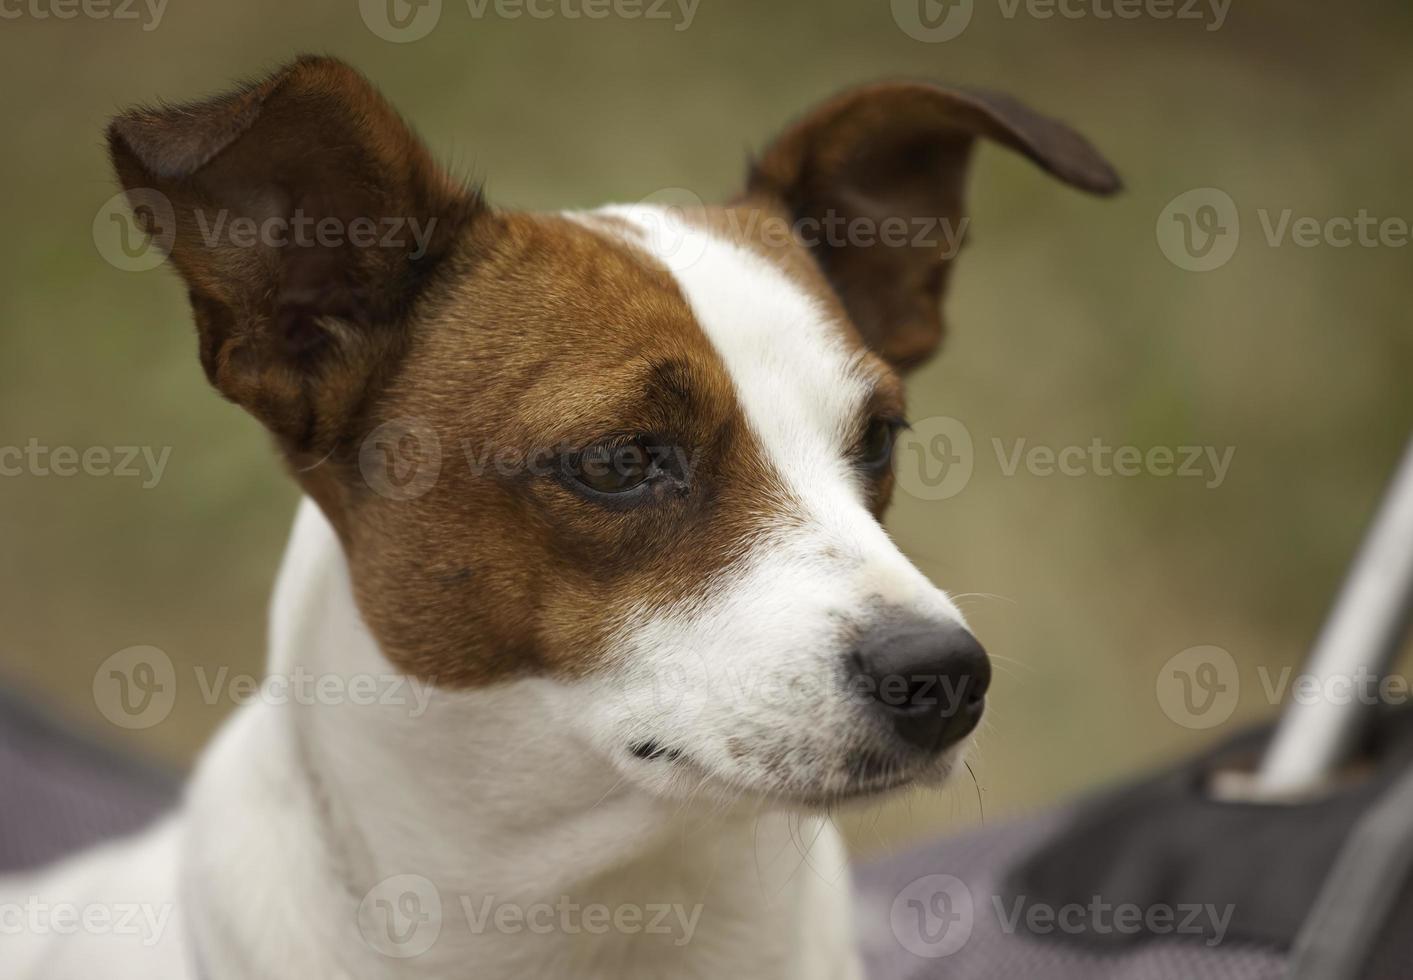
(875, 450)
(612, 468)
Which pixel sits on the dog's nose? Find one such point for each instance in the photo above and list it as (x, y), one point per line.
(930, 684)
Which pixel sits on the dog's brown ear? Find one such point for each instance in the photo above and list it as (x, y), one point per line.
(876, 180)
(304, 216)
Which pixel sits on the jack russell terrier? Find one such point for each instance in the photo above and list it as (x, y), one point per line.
(608, 484)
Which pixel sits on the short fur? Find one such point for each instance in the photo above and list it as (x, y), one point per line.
(599, 669)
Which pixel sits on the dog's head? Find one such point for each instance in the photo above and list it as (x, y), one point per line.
(638, 453)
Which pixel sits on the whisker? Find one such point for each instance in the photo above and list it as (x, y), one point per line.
(980, 803)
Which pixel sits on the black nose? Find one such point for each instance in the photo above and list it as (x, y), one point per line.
(929, 684)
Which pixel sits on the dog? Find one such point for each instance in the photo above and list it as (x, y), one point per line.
(608, 484)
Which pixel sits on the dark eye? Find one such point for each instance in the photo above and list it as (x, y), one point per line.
(611, 468)
(875, 450)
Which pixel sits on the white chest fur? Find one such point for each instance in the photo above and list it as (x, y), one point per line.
(432, 834)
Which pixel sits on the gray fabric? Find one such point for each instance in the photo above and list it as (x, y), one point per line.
(1163, 841)
(1392, 958)
(902, 939)
(60, 792)
(1337, 940)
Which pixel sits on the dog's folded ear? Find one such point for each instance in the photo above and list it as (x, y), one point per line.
(875, 180)
(305, 217)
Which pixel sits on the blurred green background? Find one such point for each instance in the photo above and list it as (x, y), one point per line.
(1068, 324)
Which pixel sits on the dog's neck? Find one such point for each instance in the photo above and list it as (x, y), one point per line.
(313, 824)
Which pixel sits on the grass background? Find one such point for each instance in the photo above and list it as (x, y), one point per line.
(1069, 324)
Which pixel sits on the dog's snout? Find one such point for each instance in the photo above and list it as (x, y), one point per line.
(929, 684)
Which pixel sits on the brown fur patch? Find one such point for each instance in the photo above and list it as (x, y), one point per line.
(305, 216)
(506, 341)
(895, 155)
(548, 336)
